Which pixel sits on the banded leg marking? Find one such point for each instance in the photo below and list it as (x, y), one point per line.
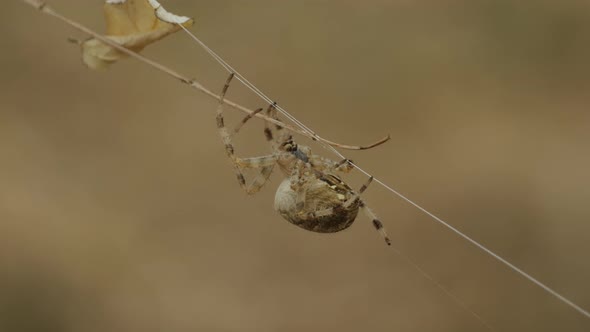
(246, 119)
(376, 222)
(264, 163)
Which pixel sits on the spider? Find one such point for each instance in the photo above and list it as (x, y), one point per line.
(311, 196)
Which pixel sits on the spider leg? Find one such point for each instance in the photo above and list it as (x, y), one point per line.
(362, 205)
(356, 196)
(260, 180)
(245, 119)
(297, 181)
(275, 138)
(271, 111)
(268, 133)
(329, 165)
(256, 162)
(300, 174)
(366, 185)
(345, 165)
(225, 136)
(264, 163)
(376, 222)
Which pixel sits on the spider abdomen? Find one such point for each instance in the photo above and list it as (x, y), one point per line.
(323, 210)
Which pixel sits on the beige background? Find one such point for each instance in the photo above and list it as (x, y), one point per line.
(120, 212)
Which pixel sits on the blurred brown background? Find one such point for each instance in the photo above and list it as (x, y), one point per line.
(120, 212)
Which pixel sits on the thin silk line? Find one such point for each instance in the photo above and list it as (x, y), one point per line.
(254, 89)
(426, 275)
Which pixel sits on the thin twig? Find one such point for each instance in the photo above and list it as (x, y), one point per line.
(42, 6)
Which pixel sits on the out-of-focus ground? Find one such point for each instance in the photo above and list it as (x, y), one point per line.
(120, 212)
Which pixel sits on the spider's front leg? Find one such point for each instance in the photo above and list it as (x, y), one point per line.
(265, 164)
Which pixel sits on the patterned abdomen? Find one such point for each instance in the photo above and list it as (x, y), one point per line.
(323, 211)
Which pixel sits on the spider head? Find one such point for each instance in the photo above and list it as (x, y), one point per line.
(300, 153)
(289, 145)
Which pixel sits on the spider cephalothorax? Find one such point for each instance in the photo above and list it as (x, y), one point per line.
(311, 196)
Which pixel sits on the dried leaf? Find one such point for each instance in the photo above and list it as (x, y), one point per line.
(134, 24)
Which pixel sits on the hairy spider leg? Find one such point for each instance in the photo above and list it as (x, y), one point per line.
(268, 133)
(245, 119)
(344, 165)
(278, 136)
(376, 222)
(265, 164)
(369, 213)
(357, 195)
